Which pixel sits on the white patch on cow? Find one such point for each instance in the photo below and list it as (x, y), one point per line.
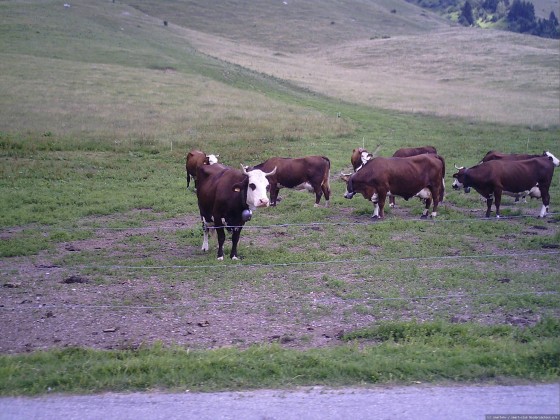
(376, 210)
(304, 186)
(518, 195)
(425, 212)
(535, 192)
(221, 258)
(375, 198)
(205, 240)
(424, 194)
(434, 214)
(256, 197)
(554, 158)
(212, 159)
(544, 211)
(456, 184)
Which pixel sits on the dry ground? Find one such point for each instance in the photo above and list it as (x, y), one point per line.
(46, 302)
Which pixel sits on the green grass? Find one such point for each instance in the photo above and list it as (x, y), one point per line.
(403, 353)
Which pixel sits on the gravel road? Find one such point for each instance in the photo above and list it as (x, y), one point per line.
(534, 402)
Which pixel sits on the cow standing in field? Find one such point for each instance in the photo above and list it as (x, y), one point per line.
(227, 198)
(194, 159)
(416, 176)
(359, 158)
(494, 155)
(310, 173)
(490, 179)
(407, 152)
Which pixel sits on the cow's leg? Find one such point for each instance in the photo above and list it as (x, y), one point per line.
(497, 202)
(205, 231)
(318, 194)
(381, 203)
(436, 198)
(392, 201)
(428, 202)
(327, 191)
(221, 240)
(375, 201)
(489, 201)
(188, 179)
(545, 200)
(234, 241)
(273, 193)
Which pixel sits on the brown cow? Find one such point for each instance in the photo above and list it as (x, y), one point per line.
(416, 176)
(407, 152)
(194, 159)
(494, 155)
(226, 198)
(490, 179)
(310, 173)
(360, 157)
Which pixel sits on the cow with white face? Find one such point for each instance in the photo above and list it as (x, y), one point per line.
(227, 198)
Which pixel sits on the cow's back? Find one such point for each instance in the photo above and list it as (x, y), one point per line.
(413, 151)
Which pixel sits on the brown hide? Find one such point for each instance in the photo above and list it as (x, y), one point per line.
(404, 177)
(356, 158)
(490, 179)
(221, 193)
(292, 172)
(194, 159)
(494, 155)
(413, 151)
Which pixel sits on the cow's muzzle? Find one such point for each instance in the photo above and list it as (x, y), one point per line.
(349, 194)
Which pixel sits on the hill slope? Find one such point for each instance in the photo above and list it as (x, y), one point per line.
(295, 26)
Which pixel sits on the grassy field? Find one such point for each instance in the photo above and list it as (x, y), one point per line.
(103, 280)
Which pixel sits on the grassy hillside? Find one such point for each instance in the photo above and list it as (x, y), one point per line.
(294, 26)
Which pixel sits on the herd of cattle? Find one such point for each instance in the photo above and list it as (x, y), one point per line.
(227, 196)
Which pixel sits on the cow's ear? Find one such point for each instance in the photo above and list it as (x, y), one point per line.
(237, 187)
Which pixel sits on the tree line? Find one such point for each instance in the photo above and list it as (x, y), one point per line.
(516, 16)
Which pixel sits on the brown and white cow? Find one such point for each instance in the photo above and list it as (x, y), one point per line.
(534, 193)
(310, 173)
(227, 198)
(194, 159)
(360, 157)
(407, 152)
(416, 176)
(490, 179)
(494, 155)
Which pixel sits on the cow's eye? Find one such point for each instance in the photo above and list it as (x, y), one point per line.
(252, 186)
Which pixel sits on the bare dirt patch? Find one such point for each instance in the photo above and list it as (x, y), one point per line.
(53, 299)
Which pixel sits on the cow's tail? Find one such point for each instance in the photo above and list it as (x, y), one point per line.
(442, 192)
(326, 185)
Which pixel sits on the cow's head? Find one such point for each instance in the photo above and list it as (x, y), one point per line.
(553, 158)
(349, 185)
(211, 159)
(459, 181)
(257, 187)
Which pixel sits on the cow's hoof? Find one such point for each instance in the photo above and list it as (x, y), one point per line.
(424, 216)
(220, 258)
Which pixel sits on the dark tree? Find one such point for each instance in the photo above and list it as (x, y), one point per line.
(466, 18)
